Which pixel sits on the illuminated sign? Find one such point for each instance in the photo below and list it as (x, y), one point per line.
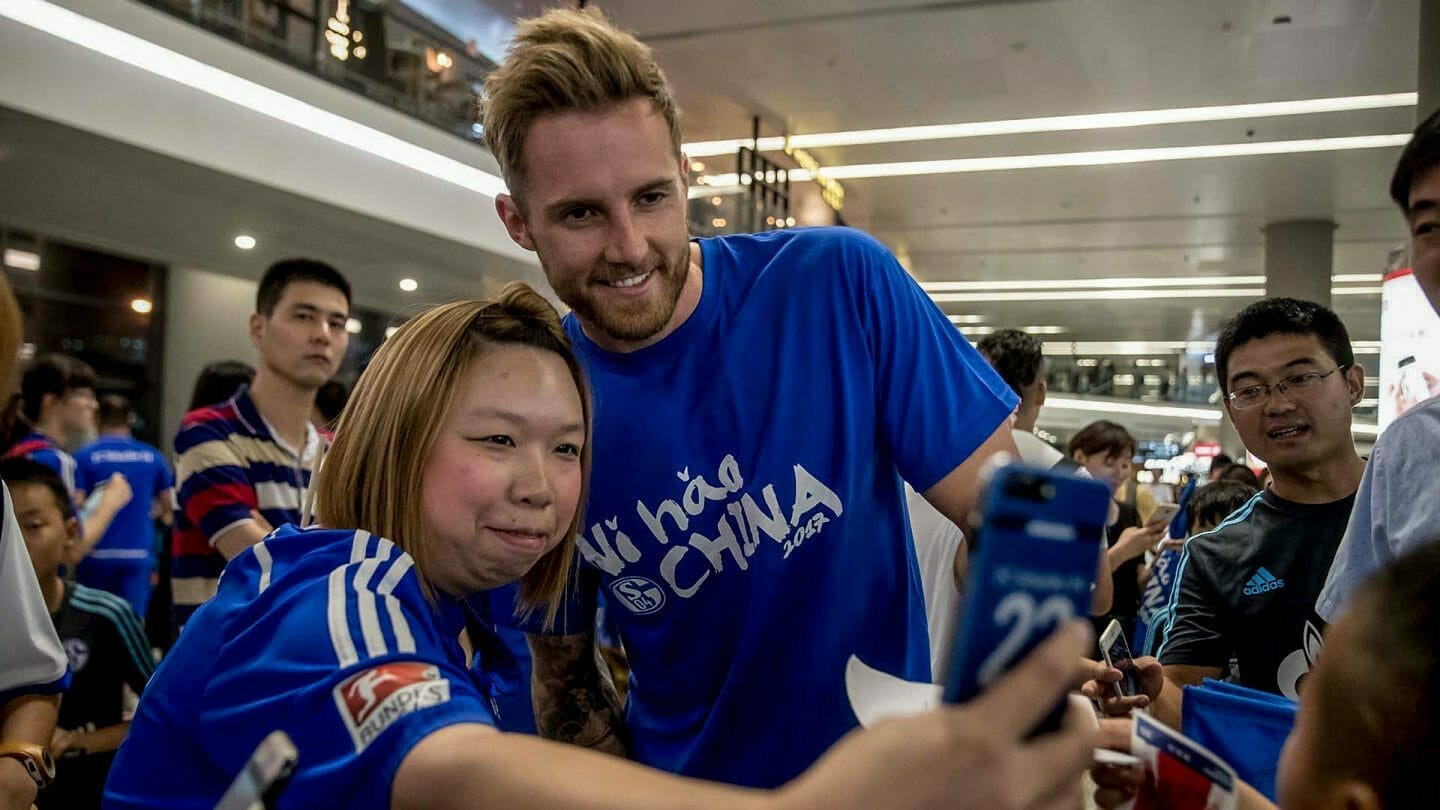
(344, 40)
(830, 189)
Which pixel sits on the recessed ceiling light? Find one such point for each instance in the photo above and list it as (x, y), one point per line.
(22, 259)
(1060, 123)
(142, 306)
(959, 319)
(409, 285)
(390, 331)
(245, 242)
(353, 326)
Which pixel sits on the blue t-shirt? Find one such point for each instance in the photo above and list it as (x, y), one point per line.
(36, 446)
(131, 535)
(327, 636)
(747, 518)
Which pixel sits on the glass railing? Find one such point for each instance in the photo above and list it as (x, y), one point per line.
(384, 51)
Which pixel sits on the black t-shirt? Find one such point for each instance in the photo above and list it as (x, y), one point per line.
(107, 648)
(1248, 589)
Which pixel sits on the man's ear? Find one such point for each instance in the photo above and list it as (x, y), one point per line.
(1041, 389)
(257, 327)
(1355, 381)
(72, 533)
(514, 219)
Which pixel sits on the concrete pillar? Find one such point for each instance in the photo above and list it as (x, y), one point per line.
(1428, 69)
(1299, 259)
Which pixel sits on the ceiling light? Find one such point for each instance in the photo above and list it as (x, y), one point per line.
(132, 50)
(409, 285)
(1109, 157)
(1135, 408)
(959, 319)
(1124, 347)
(390, 331)
(717, 222)
(245, 242)
(353, 326)
(1061, 123)
(1356, 278)
(1365, 346)
(977, 330)
(1089, 283)
(22, 259)
(1044, 330)
(697, 166)
(142, 306)
(1355, 291)
(1093, 295)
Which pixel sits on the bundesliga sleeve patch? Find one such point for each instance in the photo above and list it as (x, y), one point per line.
(372, 700)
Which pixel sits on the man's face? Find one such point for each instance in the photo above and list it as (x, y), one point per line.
(604, 207)
(304, 339)
(1297, 429)
(1424, 219)
(76, 413)
(48, 534)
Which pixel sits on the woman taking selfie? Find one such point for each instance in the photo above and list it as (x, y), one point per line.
(460, 465)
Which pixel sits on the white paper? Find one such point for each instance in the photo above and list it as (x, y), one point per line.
(876, 695)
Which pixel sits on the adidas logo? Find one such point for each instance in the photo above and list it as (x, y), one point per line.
(1263, 582)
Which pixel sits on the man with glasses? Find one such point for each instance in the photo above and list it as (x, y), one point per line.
(1247, 588)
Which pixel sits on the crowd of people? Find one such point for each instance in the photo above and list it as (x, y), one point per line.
(744, 460)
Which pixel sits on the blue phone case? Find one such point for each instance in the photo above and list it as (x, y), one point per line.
(1033, 569)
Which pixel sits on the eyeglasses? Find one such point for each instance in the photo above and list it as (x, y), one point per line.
(1253, 395)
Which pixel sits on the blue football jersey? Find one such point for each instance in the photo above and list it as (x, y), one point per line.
(326, 635)
(747, 522)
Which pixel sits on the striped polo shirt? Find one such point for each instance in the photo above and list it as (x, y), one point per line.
(229, 461)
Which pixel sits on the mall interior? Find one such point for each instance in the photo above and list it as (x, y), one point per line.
(1117, 179)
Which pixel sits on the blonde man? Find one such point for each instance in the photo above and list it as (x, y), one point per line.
(760, 401)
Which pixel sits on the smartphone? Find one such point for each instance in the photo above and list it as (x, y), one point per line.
(1164, 513)
(1116, 652)
(1032, 571)
(260, 782)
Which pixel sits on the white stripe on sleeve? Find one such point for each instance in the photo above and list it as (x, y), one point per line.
(339, 624)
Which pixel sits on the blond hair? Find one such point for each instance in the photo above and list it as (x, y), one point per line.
(372, 478)
(565, 61)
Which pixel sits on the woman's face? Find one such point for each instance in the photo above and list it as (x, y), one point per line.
(502, 482)
(1111, 470)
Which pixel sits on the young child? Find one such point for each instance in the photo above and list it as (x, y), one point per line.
(1368, 732)
(102, 637)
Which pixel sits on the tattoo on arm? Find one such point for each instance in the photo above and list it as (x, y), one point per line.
(575, 699)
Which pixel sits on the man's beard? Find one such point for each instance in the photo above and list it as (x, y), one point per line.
(630, 321)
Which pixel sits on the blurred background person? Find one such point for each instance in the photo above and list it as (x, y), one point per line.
(57, 410)
(123, 560)
(219, 381)
(1019, 360)
(1106, 450)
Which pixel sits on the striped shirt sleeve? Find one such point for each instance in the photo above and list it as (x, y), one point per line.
(213, 485)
